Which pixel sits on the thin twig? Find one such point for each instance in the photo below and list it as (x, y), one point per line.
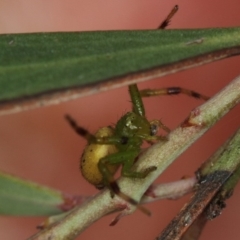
(228, 160)
(160, 155)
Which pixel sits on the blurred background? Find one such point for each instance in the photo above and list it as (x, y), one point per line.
(39, 145)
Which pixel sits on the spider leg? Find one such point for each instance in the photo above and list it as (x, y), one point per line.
(79, 130)
(136, 99)
(172, 91)
(126, 159)
(167, 20)
(155, 125)
(88, 136)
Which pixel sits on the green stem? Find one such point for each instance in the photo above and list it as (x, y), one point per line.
(160, 155)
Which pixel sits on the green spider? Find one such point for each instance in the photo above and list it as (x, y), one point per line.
(112, 147)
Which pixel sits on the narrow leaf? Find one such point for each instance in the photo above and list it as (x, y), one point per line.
(46, 66)
(22, 197)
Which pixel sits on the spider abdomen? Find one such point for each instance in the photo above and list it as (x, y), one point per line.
(92, 155)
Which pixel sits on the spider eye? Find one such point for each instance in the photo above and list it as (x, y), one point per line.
(153, 129)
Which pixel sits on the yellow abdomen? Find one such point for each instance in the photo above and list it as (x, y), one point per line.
(91, 156)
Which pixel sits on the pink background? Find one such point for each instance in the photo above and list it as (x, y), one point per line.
(39, 144)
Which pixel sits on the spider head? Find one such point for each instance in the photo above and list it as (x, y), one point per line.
(132, 124)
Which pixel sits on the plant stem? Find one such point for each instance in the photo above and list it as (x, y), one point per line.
(161, 155)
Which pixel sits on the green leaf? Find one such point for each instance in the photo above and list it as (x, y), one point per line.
(22, 197)
(44, 63)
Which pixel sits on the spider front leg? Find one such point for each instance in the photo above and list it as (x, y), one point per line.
(138, 108)
(171, 91)
(137, 103)
(126, 159)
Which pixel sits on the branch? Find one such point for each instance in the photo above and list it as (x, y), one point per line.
(214, 176)
(162, 154)
(171, 190)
